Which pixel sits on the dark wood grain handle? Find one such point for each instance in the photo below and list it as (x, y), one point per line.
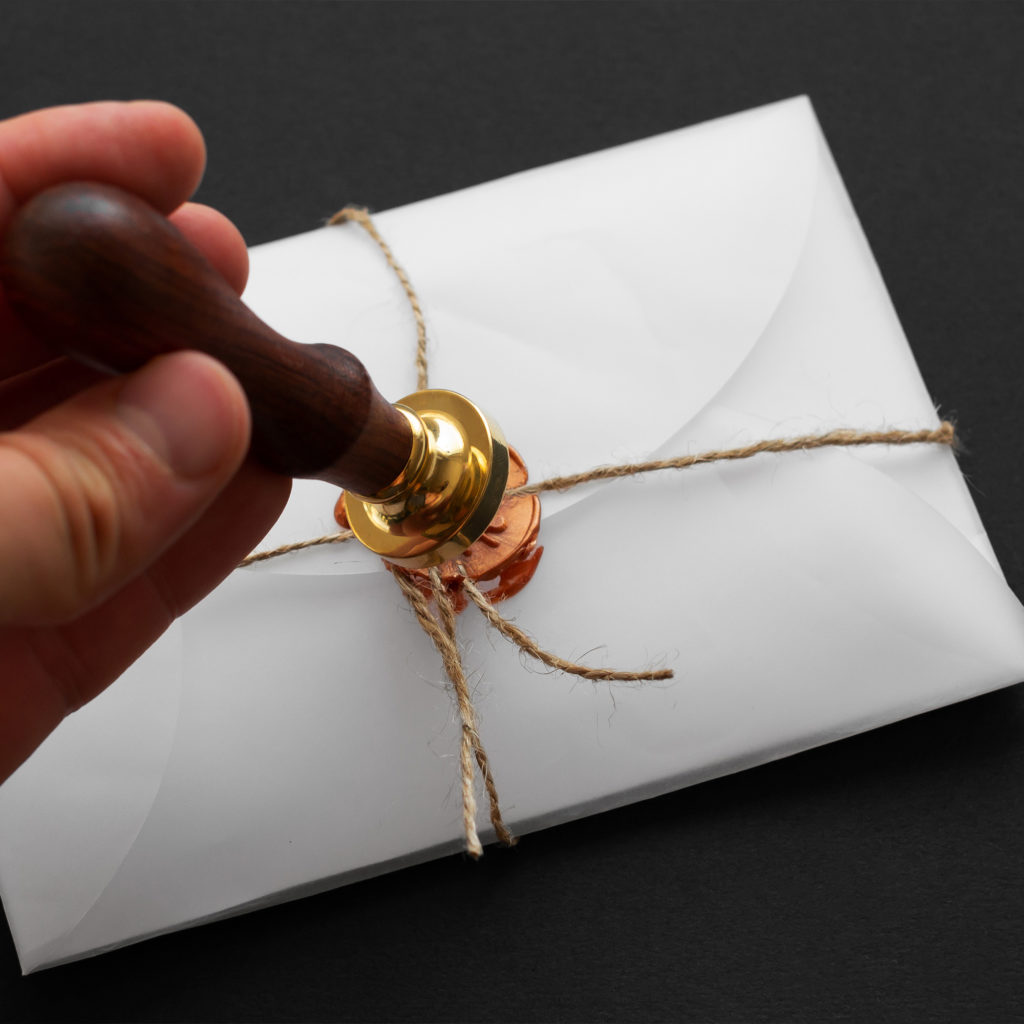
(103, 277)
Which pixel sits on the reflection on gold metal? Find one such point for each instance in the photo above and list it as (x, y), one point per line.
(506, 555)
(448, 492)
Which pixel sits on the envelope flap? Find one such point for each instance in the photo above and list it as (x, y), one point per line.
(608, 288)
(592, 306)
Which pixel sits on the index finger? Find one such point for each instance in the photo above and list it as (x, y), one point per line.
(150, 148)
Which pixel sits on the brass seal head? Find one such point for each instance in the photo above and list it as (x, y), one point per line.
(448, 492)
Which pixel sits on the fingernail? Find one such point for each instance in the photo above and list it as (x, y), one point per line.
(182, 408)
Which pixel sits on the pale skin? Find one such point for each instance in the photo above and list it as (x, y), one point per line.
(123, 501)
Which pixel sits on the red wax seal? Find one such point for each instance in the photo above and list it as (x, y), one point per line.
(505, 556)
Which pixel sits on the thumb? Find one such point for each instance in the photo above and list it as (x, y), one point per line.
(95, 489)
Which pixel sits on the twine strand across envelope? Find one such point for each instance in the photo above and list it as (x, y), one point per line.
(842, 438)
(441, 629)
(439, 623)
(361, 216)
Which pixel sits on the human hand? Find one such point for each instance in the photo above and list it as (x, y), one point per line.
(125, 500)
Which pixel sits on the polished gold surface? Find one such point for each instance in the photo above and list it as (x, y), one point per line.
(449, 491)
(505, 556)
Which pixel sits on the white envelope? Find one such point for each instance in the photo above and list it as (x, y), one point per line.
(702, 289)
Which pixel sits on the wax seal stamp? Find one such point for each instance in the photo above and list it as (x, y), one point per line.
(505, 555)
(449, 491)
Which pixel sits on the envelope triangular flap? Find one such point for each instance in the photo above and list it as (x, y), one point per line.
(834, 356)
(592, 306)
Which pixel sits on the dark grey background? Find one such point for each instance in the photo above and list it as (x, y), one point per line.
(876, 879)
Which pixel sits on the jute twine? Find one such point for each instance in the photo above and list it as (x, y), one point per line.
(436, 615)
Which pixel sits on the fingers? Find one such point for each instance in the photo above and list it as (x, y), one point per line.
(51, 671)
(119, 477)
(218, 240)
(134, 617)
(152, 149)
(97, 488)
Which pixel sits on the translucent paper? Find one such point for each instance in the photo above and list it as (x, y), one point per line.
(702, 289)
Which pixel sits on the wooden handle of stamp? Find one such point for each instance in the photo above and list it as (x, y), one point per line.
(101, 276)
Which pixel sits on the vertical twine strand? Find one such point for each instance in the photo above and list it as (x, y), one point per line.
(446, 610)
(441, 630)
(452, 659)
(361, 216)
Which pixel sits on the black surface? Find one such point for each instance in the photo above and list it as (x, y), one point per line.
(876, 879)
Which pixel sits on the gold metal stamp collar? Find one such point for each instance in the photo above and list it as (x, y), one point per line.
(448, 492)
